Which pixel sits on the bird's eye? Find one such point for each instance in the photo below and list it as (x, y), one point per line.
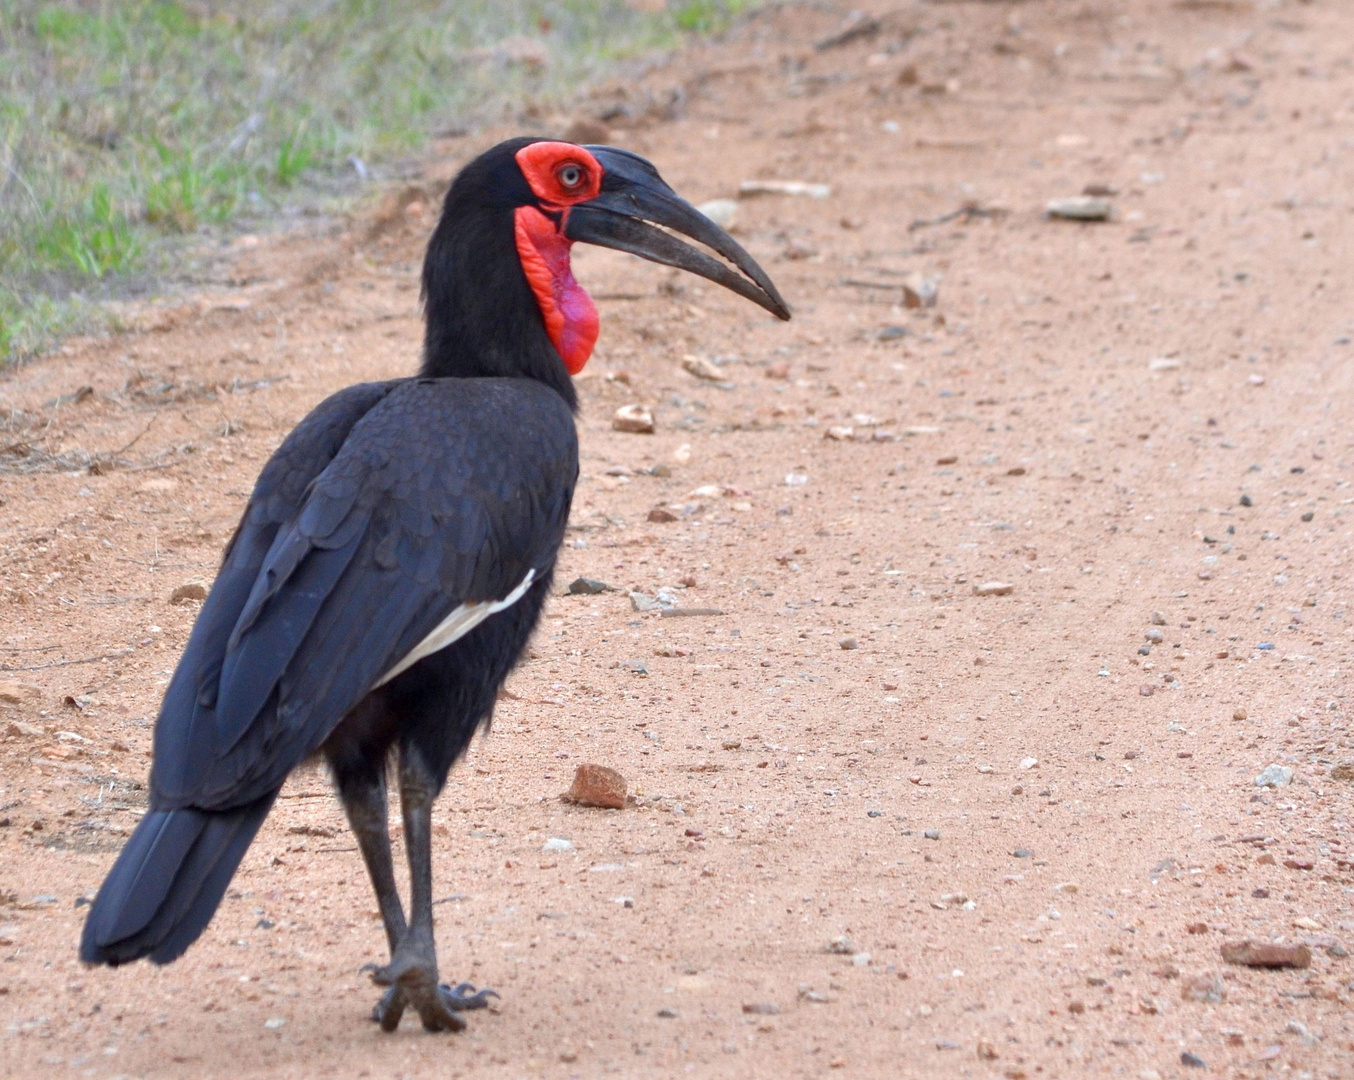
(570, 176)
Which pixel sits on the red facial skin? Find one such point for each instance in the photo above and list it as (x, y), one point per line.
(561, 175)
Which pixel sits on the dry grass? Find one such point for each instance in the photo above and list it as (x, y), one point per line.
(127, 127)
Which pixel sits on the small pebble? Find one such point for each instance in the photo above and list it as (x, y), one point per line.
(633, 418)
(1154, 636)
(1028, 763)
(556, 845)
(702, 368)
(597, 785)
(762, 1008)
(784, 187)
(1023, 853)
(1274, 776)
(932, 834)
(1193, 1061)
(667, 1014)
(993, 588)
(1081, 208)
(847, 643)
(841, 945)
(1238, 714)
(1266, 954)
(920, 291)
(585, 586)
(1246, 501)
(191, 590)
(1158, 619)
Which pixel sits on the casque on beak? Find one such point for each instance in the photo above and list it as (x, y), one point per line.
(634, 199)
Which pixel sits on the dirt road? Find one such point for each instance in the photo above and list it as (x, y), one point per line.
(883, 825)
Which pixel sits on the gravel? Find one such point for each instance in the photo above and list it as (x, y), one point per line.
(1274, 776)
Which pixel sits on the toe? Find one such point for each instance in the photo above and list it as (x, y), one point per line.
(388, 1011)
(464, 996)
(439, 1018)
(381, 976)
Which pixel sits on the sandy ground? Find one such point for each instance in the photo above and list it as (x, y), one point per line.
(1027, 835)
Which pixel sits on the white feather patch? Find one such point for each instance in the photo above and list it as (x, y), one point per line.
(456, 625)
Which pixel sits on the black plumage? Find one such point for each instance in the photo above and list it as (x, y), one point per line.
(390, 508)
(353, 553)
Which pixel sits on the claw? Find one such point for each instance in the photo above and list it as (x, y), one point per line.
(464, 996)
(380, 975)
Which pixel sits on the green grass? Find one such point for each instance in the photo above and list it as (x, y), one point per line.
(129, 130)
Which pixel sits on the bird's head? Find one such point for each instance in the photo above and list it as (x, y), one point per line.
(499, 257)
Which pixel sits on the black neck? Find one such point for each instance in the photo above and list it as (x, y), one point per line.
(482, 319)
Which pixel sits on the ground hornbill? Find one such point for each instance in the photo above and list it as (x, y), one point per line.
(393, 559)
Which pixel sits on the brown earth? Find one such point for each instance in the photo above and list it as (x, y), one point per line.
(1027, 837)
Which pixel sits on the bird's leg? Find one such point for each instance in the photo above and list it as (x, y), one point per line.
(364, 801)
(413, 966)
(365, 804)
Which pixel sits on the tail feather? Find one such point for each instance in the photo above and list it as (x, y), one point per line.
(167, 883)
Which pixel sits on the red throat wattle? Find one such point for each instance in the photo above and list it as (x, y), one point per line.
(569, 314)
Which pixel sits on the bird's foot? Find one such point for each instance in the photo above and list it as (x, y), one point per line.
(416, 985)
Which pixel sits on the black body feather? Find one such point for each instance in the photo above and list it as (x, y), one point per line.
(388, 507)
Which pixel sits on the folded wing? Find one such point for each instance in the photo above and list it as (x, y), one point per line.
(441, 496)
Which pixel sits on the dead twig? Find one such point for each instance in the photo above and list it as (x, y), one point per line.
(69, 663)
(967, 212)
(137, 439)
(860, 26)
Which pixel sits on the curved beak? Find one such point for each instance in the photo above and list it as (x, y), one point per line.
(634, 199)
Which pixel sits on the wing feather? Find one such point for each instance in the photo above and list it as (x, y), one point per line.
(443, 494)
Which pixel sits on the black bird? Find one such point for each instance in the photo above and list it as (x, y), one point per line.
(394, 558)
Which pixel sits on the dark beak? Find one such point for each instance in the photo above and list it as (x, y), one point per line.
(634, 199)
